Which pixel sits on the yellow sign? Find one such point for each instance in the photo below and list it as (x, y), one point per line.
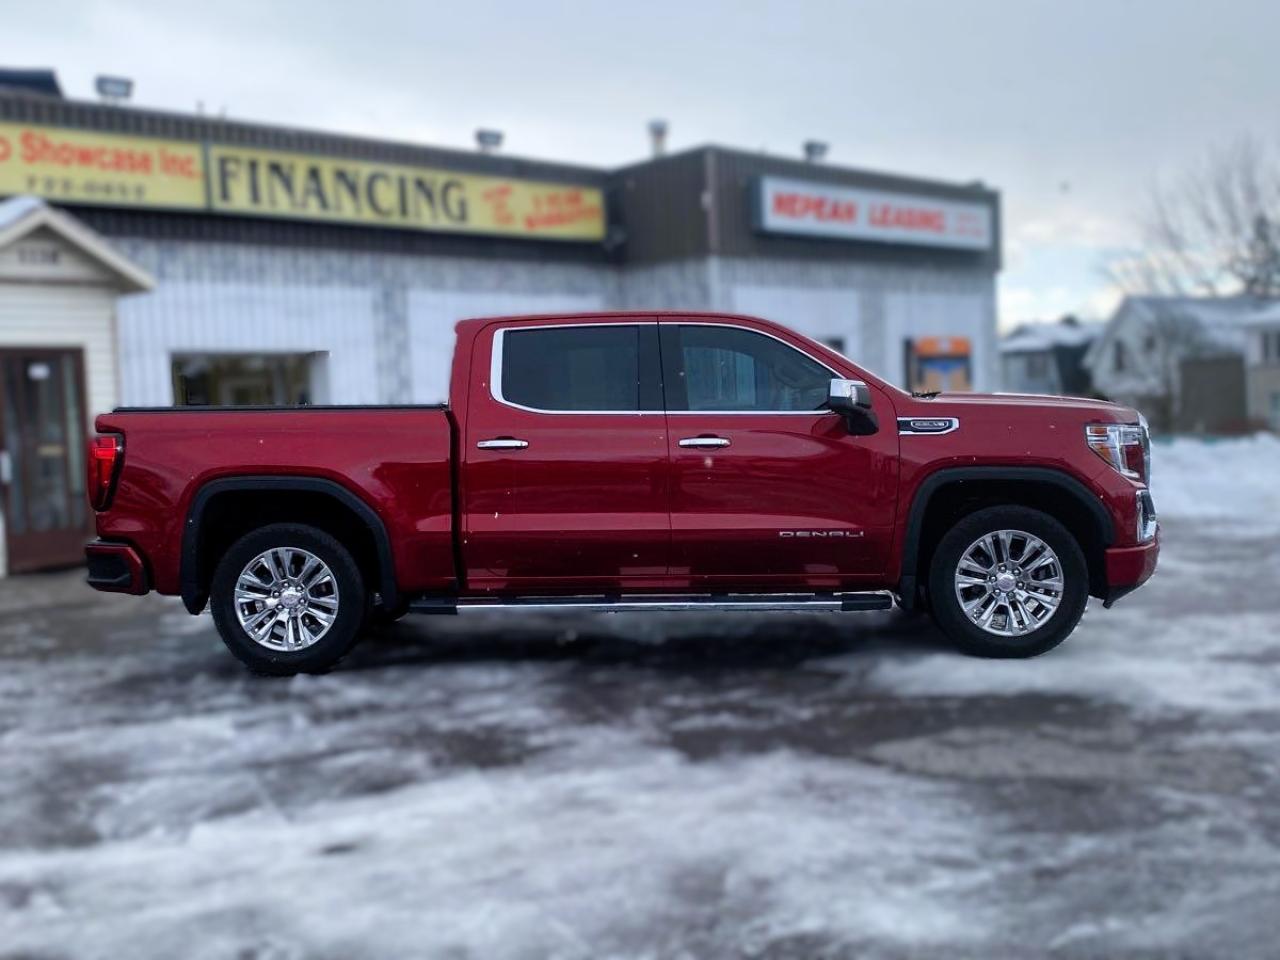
(81, 166)
(78, 166)
(276, 184)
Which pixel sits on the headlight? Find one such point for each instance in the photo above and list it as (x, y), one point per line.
(1125, 446)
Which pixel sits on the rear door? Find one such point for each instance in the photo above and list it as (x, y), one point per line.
(564, 457)
(769, 488)
(42, 442)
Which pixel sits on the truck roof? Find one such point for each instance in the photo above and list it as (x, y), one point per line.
(608, 316)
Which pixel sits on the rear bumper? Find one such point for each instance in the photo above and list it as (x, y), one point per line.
(116, 568)
(1128, 568)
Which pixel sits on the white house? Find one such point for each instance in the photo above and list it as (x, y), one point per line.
(1262, 367)
(1154, 351)
(59, 283)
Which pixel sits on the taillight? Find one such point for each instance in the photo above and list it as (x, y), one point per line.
(1125, 446)
(106, 454)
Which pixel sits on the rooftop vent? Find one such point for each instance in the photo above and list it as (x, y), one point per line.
(815, 151)
(658, 137)
(113, 89)
(489, 141)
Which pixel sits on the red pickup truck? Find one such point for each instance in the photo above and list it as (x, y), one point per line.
(629, 461)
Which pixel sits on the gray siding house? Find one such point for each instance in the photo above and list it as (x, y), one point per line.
(1048, 358)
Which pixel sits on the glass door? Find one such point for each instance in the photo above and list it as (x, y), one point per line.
(42, 445)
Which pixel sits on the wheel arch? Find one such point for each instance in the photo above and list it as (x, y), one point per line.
(948, 494)
(352, 515)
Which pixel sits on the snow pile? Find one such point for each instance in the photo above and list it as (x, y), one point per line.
(1236, 479)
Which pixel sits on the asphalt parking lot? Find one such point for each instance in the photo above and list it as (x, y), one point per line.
(651, 786)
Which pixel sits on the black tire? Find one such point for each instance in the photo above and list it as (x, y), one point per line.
(946, 607)
(324, 652)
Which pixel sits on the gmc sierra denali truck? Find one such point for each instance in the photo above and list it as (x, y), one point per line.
(629, 461)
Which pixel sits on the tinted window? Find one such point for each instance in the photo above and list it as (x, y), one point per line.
(726, 368)
(572, 368)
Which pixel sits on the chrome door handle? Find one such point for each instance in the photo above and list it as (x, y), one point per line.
(503, 443)
(704, 442)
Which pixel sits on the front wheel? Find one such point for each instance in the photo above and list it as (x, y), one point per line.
(288, 598)
(1008, 582)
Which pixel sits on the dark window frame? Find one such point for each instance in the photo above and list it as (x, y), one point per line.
(649, 391)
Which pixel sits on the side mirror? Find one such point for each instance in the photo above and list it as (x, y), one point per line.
(852, 400)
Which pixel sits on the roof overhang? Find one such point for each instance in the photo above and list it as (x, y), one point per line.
(23, 215)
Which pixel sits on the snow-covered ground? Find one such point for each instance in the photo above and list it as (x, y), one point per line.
(662, 787)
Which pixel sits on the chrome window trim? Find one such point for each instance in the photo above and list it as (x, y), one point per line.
(904, 429)
(495, 372)
(495, 368)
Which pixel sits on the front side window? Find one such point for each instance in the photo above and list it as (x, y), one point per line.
(595, 368)
(731, 369)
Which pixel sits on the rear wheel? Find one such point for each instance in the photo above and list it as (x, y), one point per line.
(1008, 582)
(288, 598)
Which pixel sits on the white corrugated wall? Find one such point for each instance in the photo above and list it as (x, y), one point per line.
(184, 318)
(433, 314)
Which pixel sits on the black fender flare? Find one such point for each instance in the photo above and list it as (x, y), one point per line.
(1068, 484)
(194, 596)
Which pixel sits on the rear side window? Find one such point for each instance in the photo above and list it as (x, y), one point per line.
(586, 368)
(731, 369)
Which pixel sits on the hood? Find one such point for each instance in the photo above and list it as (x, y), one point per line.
(994, 404)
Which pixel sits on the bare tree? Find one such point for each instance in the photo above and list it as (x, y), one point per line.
(1215, 231)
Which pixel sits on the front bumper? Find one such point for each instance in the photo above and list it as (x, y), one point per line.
(1128, 568)
(116, 568)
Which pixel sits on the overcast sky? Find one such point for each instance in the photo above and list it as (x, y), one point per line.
(1070, 109)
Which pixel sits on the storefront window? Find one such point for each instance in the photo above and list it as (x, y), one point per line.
(236, 380)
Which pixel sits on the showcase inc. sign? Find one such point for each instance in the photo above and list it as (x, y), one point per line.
(822, 210)
(77, 166)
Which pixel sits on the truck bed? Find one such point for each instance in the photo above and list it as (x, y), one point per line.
(394, 460)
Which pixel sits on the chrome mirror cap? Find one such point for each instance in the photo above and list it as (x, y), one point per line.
(845, 395)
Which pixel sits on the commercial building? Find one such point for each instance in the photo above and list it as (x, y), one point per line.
(288, 266)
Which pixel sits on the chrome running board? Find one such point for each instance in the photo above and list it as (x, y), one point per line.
(628, 603)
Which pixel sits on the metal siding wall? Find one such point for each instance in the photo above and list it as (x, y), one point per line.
(432, 315)
(660, 204)
(820, 314)
(922, 314)
(248, 319)
(889, 302)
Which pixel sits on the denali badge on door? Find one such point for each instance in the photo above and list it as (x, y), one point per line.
(820, 533)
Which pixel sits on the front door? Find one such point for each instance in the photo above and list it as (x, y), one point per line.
(769, 488)
(564, 457)
(42, 440)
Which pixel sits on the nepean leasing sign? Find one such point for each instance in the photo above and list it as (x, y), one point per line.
(806, 208)
(78, 166)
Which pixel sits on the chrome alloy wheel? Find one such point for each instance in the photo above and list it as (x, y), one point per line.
(286, 598)
(1009, 583)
